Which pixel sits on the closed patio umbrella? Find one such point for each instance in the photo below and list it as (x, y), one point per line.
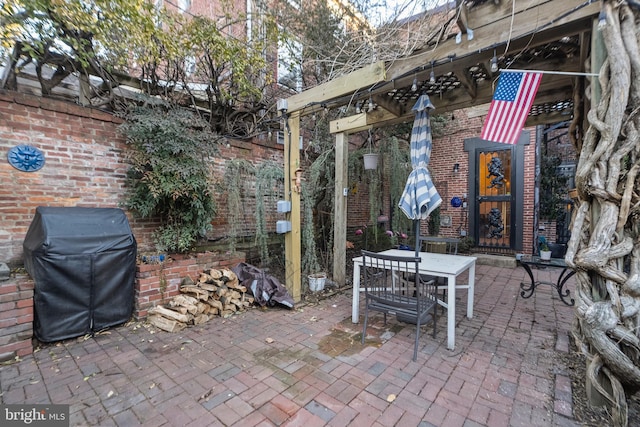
(420, 196)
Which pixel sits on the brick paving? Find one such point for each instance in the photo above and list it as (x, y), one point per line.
(315, 372)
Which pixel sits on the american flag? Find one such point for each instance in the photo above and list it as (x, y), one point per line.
(510, 106)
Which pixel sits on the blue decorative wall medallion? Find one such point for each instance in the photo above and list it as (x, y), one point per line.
(26, 158)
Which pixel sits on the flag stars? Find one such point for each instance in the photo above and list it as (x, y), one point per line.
(508, 86)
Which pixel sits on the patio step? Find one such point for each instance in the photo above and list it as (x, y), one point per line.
(496, 260)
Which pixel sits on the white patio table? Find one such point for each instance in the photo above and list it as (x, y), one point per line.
(432, 264)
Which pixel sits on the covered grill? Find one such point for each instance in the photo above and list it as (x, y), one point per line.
(83, 262)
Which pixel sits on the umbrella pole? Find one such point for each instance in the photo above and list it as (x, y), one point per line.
(416, 228)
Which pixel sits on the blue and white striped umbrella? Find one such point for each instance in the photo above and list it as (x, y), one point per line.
(420, 196)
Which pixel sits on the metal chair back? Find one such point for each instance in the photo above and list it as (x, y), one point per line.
(442, 245)
(394, 285)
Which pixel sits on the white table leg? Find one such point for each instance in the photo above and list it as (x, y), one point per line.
(355, 308)
(472, 281)
(451, 312)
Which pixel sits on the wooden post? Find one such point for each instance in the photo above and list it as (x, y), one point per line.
(292, 239)
(340, 208)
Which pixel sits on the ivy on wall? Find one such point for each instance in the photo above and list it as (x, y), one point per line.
(237, 174)
(169, 176)
(552, 188)
(269, 187)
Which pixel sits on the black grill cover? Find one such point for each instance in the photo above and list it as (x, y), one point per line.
(83, 263)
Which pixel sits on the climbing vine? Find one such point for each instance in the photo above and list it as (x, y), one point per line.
(397, 171)
(269, 187)
(169, 175)
(310, 262)
(604, 249)
(238, 173)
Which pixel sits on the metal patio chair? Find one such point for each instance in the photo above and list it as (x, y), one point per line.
(393, 285)
(440, 245)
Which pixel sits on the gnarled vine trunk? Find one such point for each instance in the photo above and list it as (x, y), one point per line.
(605, 243)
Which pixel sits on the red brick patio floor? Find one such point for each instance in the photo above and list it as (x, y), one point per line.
(313, 371)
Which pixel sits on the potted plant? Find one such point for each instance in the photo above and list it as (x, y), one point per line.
(545, 252)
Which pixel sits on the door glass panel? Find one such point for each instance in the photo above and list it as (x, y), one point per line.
(494, 199)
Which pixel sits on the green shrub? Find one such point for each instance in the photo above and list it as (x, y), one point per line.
(169, 174)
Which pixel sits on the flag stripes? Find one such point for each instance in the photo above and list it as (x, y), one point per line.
(510, 106)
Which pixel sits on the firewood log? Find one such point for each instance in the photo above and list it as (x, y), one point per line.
(215, 273)
(201, 294)
(208, 287)
(214, 303)
(200, 319)
(165, 324)
(203, 308)
(170, 314)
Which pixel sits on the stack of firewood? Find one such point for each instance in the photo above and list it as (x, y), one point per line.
(216, 293)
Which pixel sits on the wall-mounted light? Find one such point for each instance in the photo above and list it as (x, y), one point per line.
(494, 62)
(371, 105)
(414, 86)
(283, 105)
(358, 107)
(456, 167)
(432, 77)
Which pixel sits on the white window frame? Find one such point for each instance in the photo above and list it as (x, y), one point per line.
(289, 71)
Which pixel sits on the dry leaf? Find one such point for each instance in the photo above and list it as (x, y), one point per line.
(269, 340)
(391, 398)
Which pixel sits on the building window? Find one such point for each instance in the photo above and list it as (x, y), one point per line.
(184, 5)
(189, 65)
(289, 64)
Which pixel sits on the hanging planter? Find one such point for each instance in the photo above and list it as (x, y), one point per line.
(370, 161)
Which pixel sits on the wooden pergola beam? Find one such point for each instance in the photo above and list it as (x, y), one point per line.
(537, 25)
(552, 87)
(311, 99)
(495, 30)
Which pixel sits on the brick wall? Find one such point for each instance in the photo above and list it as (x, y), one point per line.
(528, 214)
(16, 317)
(84, 166)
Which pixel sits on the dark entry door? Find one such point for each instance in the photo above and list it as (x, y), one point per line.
(494, 207)
(496, 199)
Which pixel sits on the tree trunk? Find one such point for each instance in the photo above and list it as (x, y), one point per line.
(605, 239)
